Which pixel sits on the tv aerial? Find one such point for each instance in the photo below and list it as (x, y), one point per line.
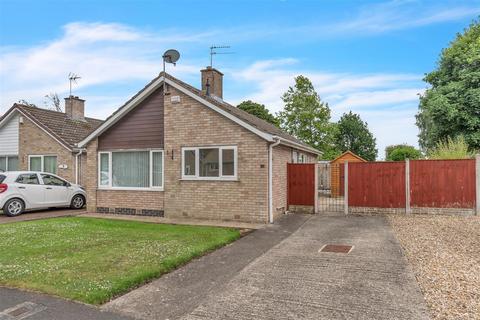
(214, 51)
(170, 56)
(72, 77)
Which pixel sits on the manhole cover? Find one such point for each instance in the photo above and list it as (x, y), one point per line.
(19, 311)
(336, 248)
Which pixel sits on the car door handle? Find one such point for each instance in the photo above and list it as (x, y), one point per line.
(21, 187)
(48, 188)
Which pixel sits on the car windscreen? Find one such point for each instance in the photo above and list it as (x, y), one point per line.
(2, 177)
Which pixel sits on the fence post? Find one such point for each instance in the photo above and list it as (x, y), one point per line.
(407, 186)
(345, 186)
(477, 184)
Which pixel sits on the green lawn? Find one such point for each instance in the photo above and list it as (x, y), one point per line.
(93, 260)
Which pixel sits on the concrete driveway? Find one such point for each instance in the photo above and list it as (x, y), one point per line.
(41, 214)
(292, 280)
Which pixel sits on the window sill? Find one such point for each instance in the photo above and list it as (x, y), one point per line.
(210, 179)
(128, 189)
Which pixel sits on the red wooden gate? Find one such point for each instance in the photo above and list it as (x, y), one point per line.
(301, 184)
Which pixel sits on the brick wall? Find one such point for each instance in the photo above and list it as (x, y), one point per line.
(192, 124)
(91, 177)
(281, 156)
(35, 141)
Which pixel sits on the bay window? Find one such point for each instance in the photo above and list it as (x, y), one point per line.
(42, 163)
(8, 163)
(209, 163)
(139, 169)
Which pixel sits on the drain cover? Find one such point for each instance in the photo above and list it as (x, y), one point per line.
(336, 248)
(21, 311)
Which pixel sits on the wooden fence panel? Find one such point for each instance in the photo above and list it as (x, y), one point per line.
(442, 183)
(301, 184)
(376, 184)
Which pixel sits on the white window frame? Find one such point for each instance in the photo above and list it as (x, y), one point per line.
(150, 188)
(220, 177)
(42, 156)
(6, 160)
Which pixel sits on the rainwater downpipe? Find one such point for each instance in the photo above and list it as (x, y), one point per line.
(270, 179)
(76, 165)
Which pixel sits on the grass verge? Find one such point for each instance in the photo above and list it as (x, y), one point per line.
(93, 260)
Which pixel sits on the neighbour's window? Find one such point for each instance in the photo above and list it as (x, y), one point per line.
(2, 177)
(8, 163)
(298, 157)
(131, 169)
(209, 163)
(43, 163)
(28, 178)
(50, 180)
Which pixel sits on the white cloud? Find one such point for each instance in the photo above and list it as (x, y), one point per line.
(388, 102)
(102, 54)
(398, 15)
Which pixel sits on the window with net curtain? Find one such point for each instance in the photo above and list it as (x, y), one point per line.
(131, 169)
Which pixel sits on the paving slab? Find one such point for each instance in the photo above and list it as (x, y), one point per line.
(181, 291)
(42, 214)
(294, 280)
(17, 304)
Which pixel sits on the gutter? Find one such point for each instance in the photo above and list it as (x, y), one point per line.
(297, 145)
(270, 179)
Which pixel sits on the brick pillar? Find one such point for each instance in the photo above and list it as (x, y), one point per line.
(91, 176)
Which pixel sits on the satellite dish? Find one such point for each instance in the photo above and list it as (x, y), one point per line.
(171, 56)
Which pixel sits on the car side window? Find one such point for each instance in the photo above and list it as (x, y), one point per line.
(49, 180)
(28, 178)
(2, 177)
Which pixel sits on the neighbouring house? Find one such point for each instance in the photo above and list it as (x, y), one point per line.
(37, 139)
(173, 150)
(337, 171)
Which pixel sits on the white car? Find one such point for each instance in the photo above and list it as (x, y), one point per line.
(26, 190)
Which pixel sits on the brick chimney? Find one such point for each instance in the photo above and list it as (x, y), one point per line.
(75, 108)
(212, 82)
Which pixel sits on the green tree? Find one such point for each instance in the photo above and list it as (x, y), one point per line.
(400, 152)
(451, 106)
(352, 134)
(451, 148)
(306, 117)
(258, 110)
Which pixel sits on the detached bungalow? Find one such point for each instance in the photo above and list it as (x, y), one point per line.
(37, 139)
(173, 150)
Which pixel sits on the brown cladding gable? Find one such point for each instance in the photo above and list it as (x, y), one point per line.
(143, 128)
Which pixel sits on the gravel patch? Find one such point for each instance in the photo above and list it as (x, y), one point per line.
(444, 252)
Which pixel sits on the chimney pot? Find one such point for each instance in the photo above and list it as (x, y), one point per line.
(212, 82)
(75, 108)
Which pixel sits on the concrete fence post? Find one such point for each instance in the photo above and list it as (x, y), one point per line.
(477, 184)
(407, 186)
(345, 186)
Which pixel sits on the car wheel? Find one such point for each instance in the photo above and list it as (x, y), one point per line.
(14, 207)
(78, 202)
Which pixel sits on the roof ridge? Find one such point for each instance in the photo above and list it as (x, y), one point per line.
(49, 110)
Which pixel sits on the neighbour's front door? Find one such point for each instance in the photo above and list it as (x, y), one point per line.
(31, 189)
(57, 191)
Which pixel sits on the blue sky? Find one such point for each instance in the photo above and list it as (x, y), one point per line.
(364, 56)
